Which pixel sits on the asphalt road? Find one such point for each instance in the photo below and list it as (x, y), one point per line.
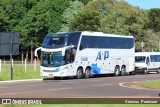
(102, 87)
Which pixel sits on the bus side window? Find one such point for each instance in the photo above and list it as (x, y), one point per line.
(147, 61)
(70, 56)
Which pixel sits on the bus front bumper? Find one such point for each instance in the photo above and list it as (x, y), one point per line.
(61, 73)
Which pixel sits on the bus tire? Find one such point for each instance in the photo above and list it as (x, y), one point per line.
(87, 73)
(79, 73)
(57, 78)
(116, 71)
(145, 71)
(132, 73)
(123, 71)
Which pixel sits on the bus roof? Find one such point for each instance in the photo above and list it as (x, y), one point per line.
(61, 33)
(88, 33)
(146, 53)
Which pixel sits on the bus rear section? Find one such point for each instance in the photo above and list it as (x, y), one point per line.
(105, 61)
(101, 53)
(146, 62)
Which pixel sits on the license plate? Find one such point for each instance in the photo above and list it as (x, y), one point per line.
(51, 75)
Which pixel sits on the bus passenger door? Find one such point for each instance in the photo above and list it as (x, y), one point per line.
(69, 59)
(69, 56)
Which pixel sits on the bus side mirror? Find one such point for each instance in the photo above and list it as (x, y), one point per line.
(35, 52)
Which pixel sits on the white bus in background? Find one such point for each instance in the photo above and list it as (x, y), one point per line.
(84, 54)
(147, 62)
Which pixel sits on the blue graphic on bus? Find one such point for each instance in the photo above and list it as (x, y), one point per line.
(95, 69)
(103, 55)
(58, 68)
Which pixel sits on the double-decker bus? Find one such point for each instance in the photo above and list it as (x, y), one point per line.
(84, 54)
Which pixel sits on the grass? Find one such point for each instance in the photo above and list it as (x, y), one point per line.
(85, 105)
(153, 84)
(19, 72)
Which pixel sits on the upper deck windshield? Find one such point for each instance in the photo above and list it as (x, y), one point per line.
(54, 42)
(140, 59)
(59, 40)
(52, 59)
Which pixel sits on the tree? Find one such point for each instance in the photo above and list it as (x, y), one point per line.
(84, 1)
(116, 17)
(11, 11)
(152, 41)
(86, 20)
(154, 19)
(69, 14)
(44, 17)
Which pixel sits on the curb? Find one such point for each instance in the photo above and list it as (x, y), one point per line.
(21, 80)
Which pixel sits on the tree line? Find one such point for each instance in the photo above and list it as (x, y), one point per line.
(36, 18)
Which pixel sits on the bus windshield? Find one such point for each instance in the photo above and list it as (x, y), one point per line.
(140, 59)
(54, 42)
(52, 59)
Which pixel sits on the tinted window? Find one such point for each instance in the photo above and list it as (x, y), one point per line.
(106, 42)
(57, 40)
(54, 41)
(51, 59)
(155, 58)
(140, 59)
(73, 39)
(147, 61)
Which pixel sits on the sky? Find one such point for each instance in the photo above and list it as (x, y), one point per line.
(145, 4)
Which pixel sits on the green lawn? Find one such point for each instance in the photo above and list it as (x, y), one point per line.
(154, 84)
(19, 72)
(85, 105)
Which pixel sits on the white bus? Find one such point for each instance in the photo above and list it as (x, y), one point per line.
(147, 62)
(84, 54)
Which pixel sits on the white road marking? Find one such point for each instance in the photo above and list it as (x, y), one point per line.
(13, 81)
(95, 80)
(69, 82)
(7, 94)
(34, 85)
(58, 89)
(122, 85)
(134, 87)
(99, 85)
(3, 87)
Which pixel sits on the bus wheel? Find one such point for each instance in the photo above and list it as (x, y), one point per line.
(57, 78)
(132, 73)
(145, 71)
(116, 71)
(87, 73)
(123, 71)
(79, 73)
